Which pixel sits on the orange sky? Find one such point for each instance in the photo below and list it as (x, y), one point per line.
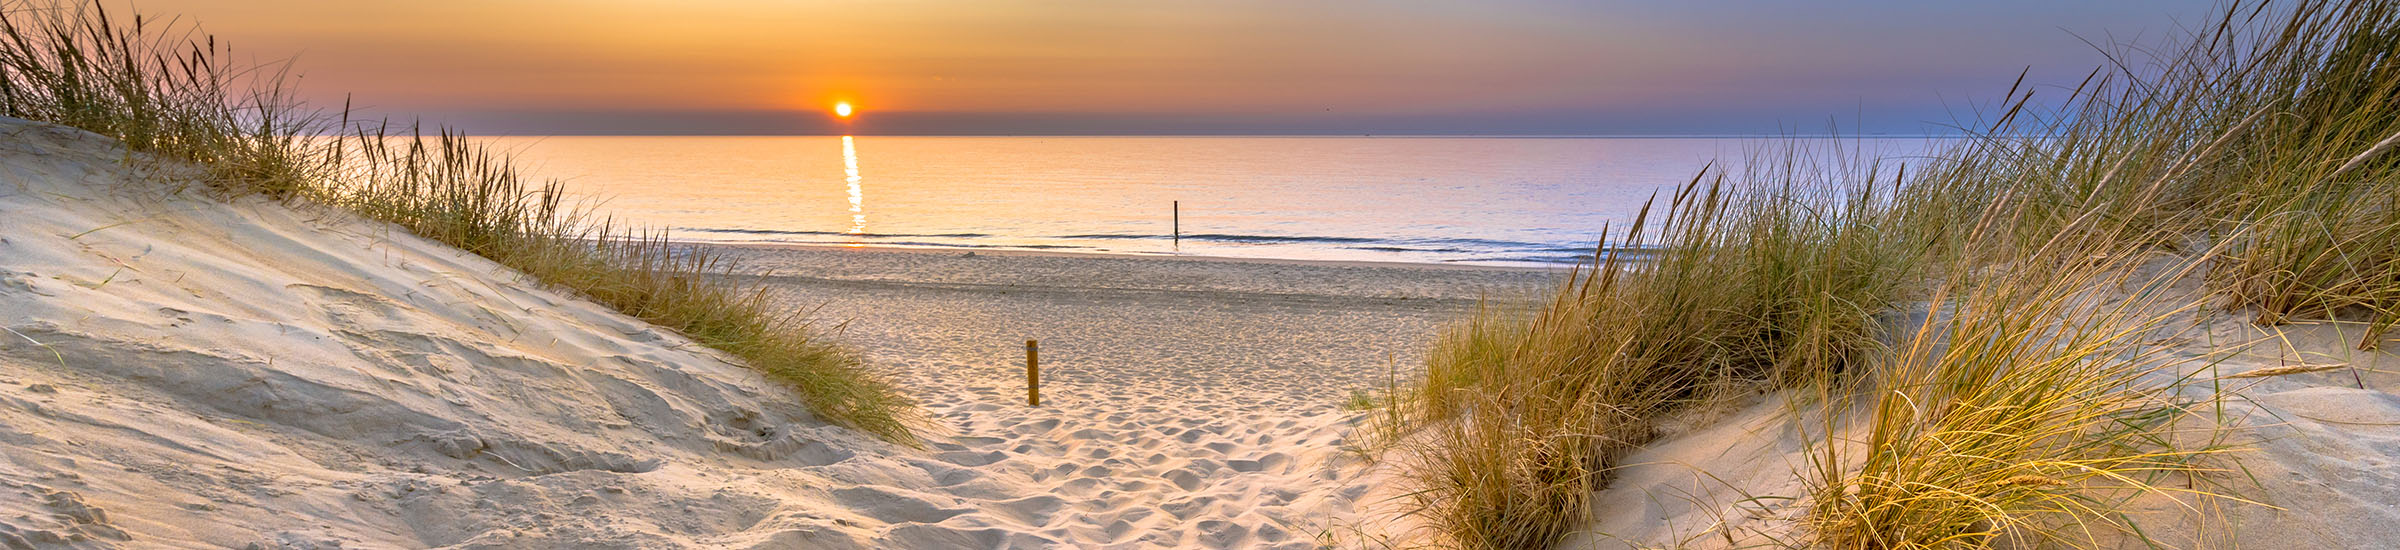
(1131, 59)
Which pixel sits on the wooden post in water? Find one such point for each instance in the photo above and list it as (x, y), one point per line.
(1179, 224)
(1033, 374)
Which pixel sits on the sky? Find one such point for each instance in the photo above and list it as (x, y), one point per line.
(1499, 67)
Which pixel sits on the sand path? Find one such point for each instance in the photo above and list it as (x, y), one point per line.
(1186, 402)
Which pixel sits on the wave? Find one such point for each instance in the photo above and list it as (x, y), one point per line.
(837, 233)
(1547, 260)
(1445, 244)
(1227, 238)
(928, 244)
(1439, 250)
(1388, 248)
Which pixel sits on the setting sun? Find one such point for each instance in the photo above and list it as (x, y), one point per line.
(841, 109)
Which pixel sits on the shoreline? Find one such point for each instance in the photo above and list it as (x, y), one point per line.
(960, 251)
(1133, 280)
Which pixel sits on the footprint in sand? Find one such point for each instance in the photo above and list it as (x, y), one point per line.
(899, 505)
(1183, 479)
(971, 458)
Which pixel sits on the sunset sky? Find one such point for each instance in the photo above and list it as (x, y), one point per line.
(1175, 66)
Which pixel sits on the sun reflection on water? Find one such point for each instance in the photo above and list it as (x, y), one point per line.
(858, 212)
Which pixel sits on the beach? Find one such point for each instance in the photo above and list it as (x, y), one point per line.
(1115, 327)
(1186, 402)
(188, 371)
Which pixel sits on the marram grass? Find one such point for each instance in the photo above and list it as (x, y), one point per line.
(166, 92)
(2267, 146)
(2028, 408)
(1524, 416)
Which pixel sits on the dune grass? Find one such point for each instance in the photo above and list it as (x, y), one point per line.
(2318, 175)
(2272, 131)
(165, 91)
(2261, 146)
(1526, 414)
(2029, 407)
(2256, 153)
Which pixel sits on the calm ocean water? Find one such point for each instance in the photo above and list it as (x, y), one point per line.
(1511, 201)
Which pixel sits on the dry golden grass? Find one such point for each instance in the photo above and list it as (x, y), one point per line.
(1524, 416)
(2027, 407)
(2265, 145)
(2272, 131)
(2285, 370)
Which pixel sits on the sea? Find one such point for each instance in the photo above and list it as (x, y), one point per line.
(1512, 201)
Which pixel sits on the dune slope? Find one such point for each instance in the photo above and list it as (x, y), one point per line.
(2311, 461)
(184, 371)
(188, 372)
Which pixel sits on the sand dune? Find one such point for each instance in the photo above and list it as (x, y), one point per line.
(186, 372)
(2311, 465)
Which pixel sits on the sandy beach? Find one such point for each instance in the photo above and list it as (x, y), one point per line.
(182, 371)
(1203, 331)
(1187, 402)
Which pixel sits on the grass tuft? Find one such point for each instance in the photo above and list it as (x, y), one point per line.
(2028, 408)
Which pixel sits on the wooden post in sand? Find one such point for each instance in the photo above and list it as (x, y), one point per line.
(1178, 224)
(1033, 374)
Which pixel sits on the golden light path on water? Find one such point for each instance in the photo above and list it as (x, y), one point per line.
(858, 212)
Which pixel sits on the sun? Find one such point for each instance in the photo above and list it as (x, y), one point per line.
(841, 109)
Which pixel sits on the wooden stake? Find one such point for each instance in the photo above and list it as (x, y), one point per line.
(1178, 224)
(1033, 374)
